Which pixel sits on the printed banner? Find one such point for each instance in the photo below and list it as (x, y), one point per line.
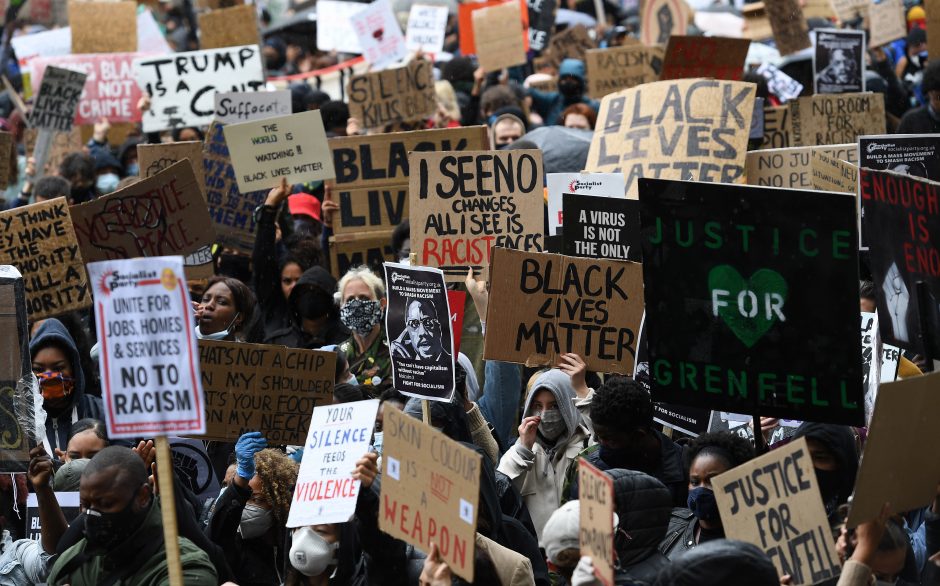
(602, 227)
(593, 184)
(839, 61)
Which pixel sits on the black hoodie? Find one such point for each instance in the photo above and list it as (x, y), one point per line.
(841, 441)
(644, 506)
(315, 283)
(718, 563)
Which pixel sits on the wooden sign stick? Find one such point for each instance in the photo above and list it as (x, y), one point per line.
(168, 510)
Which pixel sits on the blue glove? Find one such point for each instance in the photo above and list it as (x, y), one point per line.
(246, 447)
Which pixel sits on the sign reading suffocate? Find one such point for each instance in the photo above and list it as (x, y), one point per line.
(737, 261)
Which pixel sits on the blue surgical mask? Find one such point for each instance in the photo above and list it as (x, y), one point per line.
(132, 169)
(220, 335)
(107, 183)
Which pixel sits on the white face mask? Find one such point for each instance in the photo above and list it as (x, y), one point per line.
(220, 335)
(255, 521)
(377, 441)
(352, 380)
(310, 554)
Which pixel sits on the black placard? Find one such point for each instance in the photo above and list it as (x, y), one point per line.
(601, 227)
(751, 299)
(541, 21)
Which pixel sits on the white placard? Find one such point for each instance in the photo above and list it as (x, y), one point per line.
(427, 27)
(779, 83)
(598, 184)
(334, 28)
(149, 360)
(379, 34)
(338, 436)
(235, 107)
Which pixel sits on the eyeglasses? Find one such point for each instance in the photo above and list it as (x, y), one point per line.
(429, 323)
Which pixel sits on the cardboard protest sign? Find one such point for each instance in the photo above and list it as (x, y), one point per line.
(541, 22)
(917, 155)
(498, 203)
(259, 386)
(418, 325)
(430, 491)
(360, 248)
(839, 61)
(6, 145)
(370, 210)
(716, 57)
(235, 107)
(231, 211)
(182, 90)
(14, 366)
(594, 184)
(193, 467)
(619, 68)
(161, 215)
(596, 534)
(756, 23)
(68, 503)
(777, 128)
(791, 32)
(326, 491)
(662, 19)
(400, 94)
(893, 469)
(154, 158)
(334, 26)
(831, 174)
(229, 27)
(57, 99)
(110, 88)
(601, 227)
(875, 355)
(738, 344)
(426, 28)
(380, 37)
(788, 522)
(902, 214)
(932, 8)
(292, 147)
(500, 36)
(103, 27)
(886, 21)
(149, 365)
(780, 84)
(465, 10)
(851, 10)
(574, 42)
(792, 168)
(836, 119)
(543, 305)
(39, 240)
(677, 129)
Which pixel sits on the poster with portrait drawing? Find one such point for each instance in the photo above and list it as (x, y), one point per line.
(839, 61)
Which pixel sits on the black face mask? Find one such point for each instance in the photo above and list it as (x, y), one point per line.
(81, 194)
(570, 88)
(105, 531)
(830, 483)
(314, 304)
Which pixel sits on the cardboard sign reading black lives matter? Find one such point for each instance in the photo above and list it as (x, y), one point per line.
(544, 305)
(902, 214)
(601, 227)
(839, 61)
(683, 129)
(787, 519)
(59, 94)
(14, 364)
(400, 94)
(418, 325)
(464, 204)
(738, 274)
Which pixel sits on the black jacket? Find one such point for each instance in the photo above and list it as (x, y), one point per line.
(918, 121)
(719, 563)
(644, 506)
(841, 441)
(333, 331)
(275, 314)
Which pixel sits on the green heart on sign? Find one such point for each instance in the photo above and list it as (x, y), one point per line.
(749, 307)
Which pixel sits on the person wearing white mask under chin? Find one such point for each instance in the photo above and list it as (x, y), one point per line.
(225, 310)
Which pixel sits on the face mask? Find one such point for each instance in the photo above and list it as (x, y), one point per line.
(220, 335)
(310, 554)
(703, 505)
(255, 522)
(360, 315)
(552, 424)
(377, 441)
(55, 385)
(81, 194)
(830, 482)
(105, 531)
(133, 169)
(107, 183)
(569, 88)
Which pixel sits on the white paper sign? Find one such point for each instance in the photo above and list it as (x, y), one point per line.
(877, 368)
(334, 28)
(599, 184)
(235, 107)
(379, 34)
(149, 360)
(426, 28)
(779, 83)
(338, 436)
(182, 88)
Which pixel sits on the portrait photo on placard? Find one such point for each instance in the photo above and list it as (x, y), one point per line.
(839, 61)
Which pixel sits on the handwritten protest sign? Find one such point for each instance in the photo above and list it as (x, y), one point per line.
(619, 68)
(596, 533)
(420, 339)
(886, 364)
(543, 305)
(661, 19)
(601, 227)
(325, 491)
(594, 184)
(746, 315)
(887, 22)
(717, 57)
(14, 365)
(370, 210)
(380, 37)
(839, 61)
(39, 240)
(836, 119)
(430, 491)
(541, 21)
(791, 32)
(500, 36)
(893, 469)
(182, 88)
(498, 203)
(154, 158)
(334, 26)
(792, 168)
(777, 134)
(678, 129)
(229, 27)
(360, 248)
(259, 386)
(293, 147)
(789, 522)
(160, 215)
(904, 212)
(831, 174)
(932, 8)
(426, 28)
(235, 107)
(400, 94)
(6, 145)
(103, 27)
(149, 365)
(850, 10)
(572, 43)
(779, 84)
(465, 10)
(59, 93)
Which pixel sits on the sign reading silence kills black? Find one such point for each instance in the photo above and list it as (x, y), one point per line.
(601, 227)
(752, 299)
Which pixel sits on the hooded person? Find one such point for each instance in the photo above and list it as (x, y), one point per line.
(718, 563)
(643, 505)
(835, 461)
(507, 125)
(315, 317)
(57, 364)
(572, 83)
(551, 435)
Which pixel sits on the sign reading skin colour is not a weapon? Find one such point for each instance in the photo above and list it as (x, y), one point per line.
(747, 265)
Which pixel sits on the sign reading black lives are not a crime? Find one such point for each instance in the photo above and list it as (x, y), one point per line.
(755, 299)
